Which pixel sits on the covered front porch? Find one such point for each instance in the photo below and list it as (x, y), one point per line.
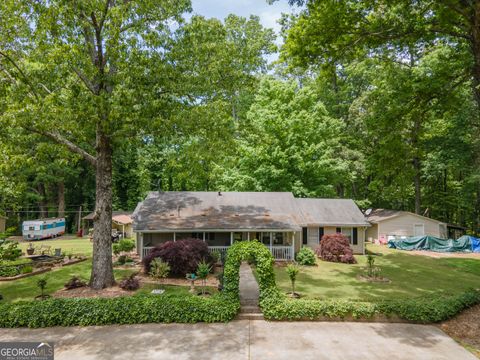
(280, 243)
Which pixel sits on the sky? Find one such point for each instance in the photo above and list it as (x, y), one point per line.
(269, 14)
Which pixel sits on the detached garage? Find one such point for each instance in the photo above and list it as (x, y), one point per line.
(390, 224)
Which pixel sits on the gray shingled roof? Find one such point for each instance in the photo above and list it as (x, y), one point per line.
(176, 210)
(209, 211)
(331, 212)
(378, 215)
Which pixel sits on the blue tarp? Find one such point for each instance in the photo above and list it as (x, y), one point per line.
(431, 243)
(475, 243)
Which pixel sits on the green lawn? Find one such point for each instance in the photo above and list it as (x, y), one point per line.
(81, 246)
(26, 288)
(410, 275)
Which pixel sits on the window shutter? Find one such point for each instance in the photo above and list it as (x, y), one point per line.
(321, 231)
(339, 230)
(304, 236)
(355, 236)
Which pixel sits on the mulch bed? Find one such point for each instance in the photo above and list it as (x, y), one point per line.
(465, 328)
(86, 292)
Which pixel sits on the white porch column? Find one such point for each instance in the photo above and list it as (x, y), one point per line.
(231, 238)
(141, 245)
(174, 236)
(271, 241)
(293, 246)
(204, 236)
(248, 236)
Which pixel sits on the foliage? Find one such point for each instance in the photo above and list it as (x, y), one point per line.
(124, 245)
(130, 283)
(122, 259)
(183, 256)
(202, 272)
(292, 271)
(335, 248)
(137, 309)
(27, 269)
(159, 269)
(306, 256)
(75, 282)
(9, 250)
(216, 256)
(10, 268)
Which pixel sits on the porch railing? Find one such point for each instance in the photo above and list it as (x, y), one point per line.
(146, 250)
(282, 252)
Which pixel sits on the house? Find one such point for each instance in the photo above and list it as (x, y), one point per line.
(3, 221)
(121, 221)
(389, 224)
(277, 219)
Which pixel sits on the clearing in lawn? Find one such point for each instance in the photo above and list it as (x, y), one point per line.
(69, 245)
(410, 275)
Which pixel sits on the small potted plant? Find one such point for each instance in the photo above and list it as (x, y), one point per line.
(203, 270)
(30, 249)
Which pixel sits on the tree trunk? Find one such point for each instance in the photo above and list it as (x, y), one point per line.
(102, 269)
(61, 199)
(418, 190)
(42, 203)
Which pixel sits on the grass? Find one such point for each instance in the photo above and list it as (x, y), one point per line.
(81, 246)
(410, 275)
(26, 288)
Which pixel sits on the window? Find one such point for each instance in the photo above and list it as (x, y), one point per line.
(321, 232)
(348, 233)
(278, 238)
(237, 236)
(355, 236)
(266, 238)
(304, 236)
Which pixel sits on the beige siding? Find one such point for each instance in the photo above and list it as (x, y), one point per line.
(298, 241)
(312, 236)
(2, 224)
(372, 233)
(403, 225)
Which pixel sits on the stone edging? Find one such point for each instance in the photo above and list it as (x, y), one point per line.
(21, 276)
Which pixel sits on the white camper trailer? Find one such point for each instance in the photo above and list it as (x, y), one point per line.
(43, 228)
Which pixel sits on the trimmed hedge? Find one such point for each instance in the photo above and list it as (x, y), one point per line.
(136, 309)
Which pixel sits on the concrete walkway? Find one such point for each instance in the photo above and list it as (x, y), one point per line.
(249, 291)
(247, 340)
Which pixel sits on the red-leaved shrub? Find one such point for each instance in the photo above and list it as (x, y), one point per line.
(183, 256)
(335, 248)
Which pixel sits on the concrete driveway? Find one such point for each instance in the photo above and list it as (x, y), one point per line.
(246, 339)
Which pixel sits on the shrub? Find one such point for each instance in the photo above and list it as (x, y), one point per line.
(27, 269)
(42, 284)
(9, 271)
(9, 250)
(183, 256)
(336, 248)
(130, 283)
(159, 269)
(74, 283)
(306, 256)
(122, 259)
(124, 245)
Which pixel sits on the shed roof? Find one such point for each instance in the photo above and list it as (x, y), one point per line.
(331, 212)
(378, 215)
(122, 219)
(211, 210)
(114, 214)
